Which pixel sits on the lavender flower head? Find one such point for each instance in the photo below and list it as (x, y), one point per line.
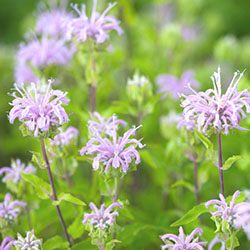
(53, 20)
(39, 112)
(183, 242)
(96, 27)
(242, 217)
(10, 209)
(101, 218)
(212, 109)
(7, 243)
(117, 152)
(30, 242)
(65, 137)
(24, 74)
(14, 171)
(103, 125)
(173, 86)
(222, 209)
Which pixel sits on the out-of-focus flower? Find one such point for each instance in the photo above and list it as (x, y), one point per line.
(39, 112)
(44, 52)
(9, 209)
(24, 74)
(242, 217)
(96, 27)
(30, 242)
(14, 171)
(101, 218)
(215, 241)
(173, 86)
(212, 109)
(116, 152)
(7, 243)
(53, 20)
(64, 137)
(103, 125)
(222, 209)
(189, 33)
(183, 242)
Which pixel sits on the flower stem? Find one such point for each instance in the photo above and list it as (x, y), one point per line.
(220, 164)
(196, 184)
(54, 197)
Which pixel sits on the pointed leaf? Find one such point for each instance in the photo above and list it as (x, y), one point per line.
(69, 198)
(230, 161)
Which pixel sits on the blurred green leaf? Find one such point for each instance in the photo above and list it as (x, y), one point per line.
(55, 243)
(230, 161)
(190, 216)
(185, 184)
(69, 198)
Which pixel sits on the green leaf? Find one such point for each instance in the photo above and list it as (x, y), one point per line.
(55, 243)
(69, 198)
(208, 144)
(76, 228)
(43, 189)
(110, 245)
(232, 242)
(84, 245)
(146, 157)
(230, 161)
(183, 183)
(38, 159)
(191, 215)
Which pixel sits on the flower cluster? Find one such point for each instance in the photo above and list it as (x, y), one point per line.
(183, 242)
(103, 125)
(53, 20)
(96, 27)
(113, 152)
(222, 209)
(7, 243)
(39, 112)
(173, 86)
(212, 109)
(101, 218)
(14, 171)
(9, 209)
(30, 242)
(236, 214)
(65, 137)
(242, 217)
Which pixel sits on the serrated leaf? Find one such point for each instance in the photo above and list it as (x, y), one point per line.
(191, 215)
(55, 243)
(69, 198)
(183, 183)
(230, 161)
(43, 189)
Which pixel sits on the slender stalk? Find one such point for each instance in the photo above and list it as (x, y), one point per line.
(220, 164)
(54, 197)
(196, 184)
(116, 188)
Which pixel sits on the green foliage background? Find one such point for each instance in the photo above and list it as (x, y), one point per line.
(153, 45)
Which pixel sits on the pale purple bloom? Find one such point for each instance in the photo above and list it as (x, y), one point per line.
(189, 33)
(212, 109)
(96, 27)
(242, 217)
(7, 243)
(215, 241)
(222, 209)
(188, 125)
(9, 209)
(101, 218)
(173, 86)
(44, 52)
(65, 137)
(30, 242)
(14, 171)
(53, 20)
(39, 111)
(24, 74)
(113, 152)
(102, 125)
(183, 242)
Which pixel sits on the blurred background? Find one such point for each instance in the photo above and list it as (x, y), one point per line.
(160, 36)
